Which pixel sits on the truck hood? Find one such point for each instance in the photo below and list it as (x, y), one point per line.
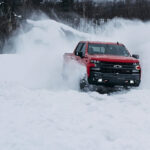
(112, 58)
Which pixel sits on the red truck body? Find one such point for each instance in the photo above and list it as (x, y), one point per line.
(113, 67)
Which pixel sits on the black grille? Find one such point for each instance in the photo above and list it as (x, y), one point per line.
(116, 67)
(120, 71)
(112, 64)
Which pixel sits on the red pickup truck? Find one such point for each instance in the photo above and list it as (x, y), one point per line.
(107, 64)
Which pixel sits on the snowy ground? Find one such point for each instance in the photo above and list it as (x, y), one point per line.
(40, 111)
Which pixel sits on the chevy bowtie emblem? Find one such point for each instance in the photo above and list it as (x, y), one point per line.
(117, 66)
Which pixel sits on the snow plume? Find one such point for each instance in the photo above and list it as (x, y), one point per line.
(41, 48)
(39, 55)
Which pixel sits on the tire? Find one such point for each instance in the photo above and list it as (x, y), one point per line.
(137, 84)
(104, 89)
(84, 86)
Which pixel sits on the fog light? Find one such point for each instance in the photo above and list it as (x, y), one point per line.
(100, 80)
(131, 82)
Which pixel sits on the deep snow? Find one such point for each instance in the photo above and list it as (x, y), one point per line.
(41, 111)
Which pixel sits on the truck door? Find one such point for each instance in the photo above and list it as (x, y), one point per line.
(82, 57)
(78, 49)
(80, 53)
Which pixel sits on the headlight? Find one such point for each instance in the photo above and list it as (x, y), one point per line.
(95, 61)
(135, 64)
(95, 69)
(138, 67)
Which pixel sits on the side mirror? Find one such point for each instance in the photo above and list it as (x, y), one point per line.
(135, 56)
(80, 54)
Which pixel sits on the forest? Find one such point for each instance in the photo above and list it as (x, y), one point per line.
(14, 12)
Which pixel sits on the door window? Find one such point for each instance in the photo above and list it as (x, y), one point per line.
(78, 49)
(83, 49)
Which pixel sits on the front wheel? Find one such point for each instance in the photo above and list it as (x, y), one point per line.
(84, 86)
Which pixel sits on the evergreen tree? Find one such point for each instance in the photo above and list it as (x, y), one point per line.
(67, 5)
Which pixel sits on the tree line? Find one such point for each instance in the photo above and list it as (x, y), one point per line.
(70, 11)
(139, 9)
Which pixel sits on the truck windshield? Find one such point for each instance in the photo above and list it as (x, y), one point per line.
(107, 49)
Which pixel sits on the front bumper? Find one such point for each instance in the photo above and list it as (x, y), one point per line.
(112, 79)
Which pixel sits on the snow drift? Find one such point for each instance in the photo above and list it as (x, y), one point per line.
(40, 111)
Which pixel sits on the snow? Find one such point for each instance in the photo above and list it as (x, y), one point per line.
(19, 16)
(39, 110)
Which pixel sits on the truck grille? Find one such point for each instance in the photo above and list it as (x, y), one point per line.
(116, 67)
(111, 64)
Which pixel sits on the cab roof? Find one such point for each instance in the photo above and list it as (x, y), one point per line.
(101, 42)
